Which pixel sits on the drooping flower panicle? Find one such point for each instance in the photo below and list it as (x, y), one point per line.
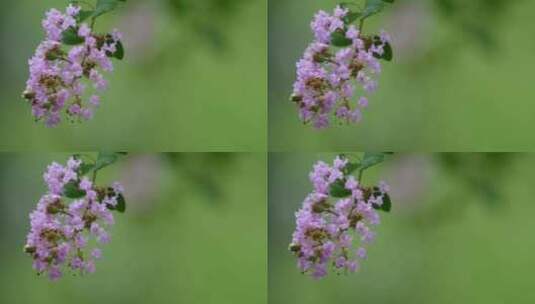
(71, 58)
(72, 211)
(339, 214)
(339, 61)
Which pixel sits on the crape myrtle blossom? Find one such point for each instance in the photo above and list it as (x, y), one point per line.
(61, 231)
(339, 62)
(339, 214)
(67, 66)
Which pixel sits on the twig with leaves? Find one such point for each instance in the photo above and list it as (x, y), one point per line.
(73, 209)
(338, 214)
(340, 58)
(71, 54)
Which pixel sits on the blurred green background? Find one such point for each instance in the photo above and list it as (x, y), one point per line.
(460, 79)
(460, 231)
(194, 231)
(193, 79)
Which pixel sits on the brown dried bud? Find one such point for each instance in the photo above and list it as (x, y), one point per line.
(356, 67)
(55, 207)
(88, 67)
(316, 83)
(319, 207)
(355, 219)
(89, 219)
(54, 53)
(51, 235)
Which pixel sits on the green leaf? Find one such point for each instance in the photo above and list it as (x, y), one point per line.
(347, 4)
(85, 168)
(338, 189)
(70, 37)
(71, 190)
(83, 15)
(387, 203)
(371, 159)
(119, 52)
(351, 17)
(121, 204)
(105, 6)
(105, 159)
(373, 7)
(351, 167)
(388, 54)
(339, 39)
(387, 49)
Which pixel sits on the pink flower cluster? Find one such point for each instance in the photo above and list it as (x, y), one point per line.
(328, 227)
(60, 231)
(57, 74)
(333, 66)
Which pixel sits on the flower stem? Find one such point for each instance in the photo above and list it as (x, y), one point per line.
(361, 25)
(94, 178)
(93, 20)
